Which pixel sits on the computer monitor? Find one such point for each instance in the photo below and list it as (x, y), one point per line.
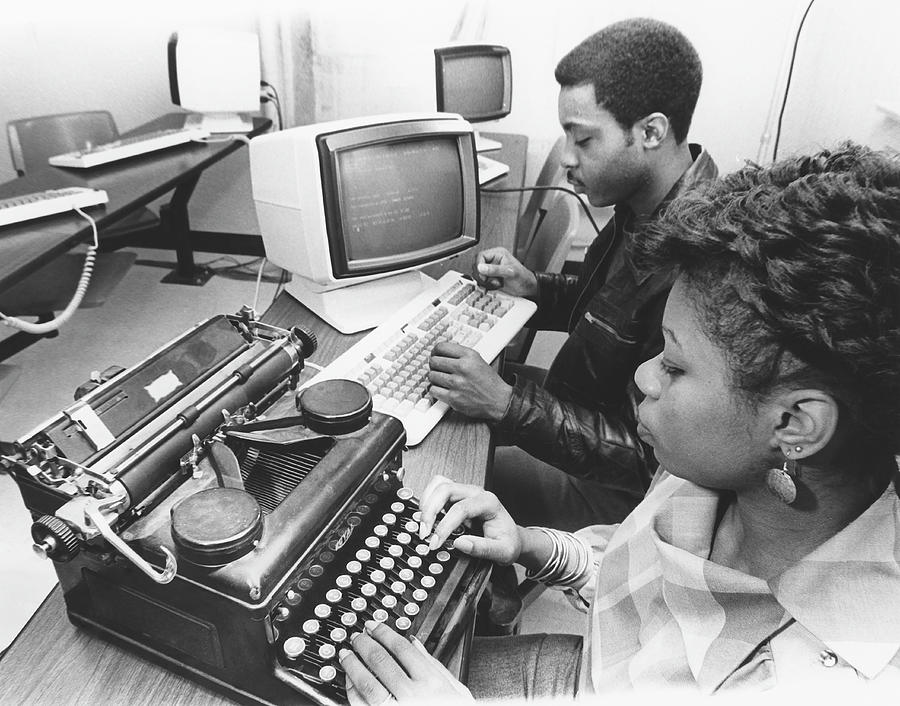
(216, 74)
(353, 208)
(474, 81)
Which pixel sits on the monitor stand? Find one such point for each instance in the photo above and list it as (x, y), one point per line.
(485, 144)
(360, 306)
(219, 122)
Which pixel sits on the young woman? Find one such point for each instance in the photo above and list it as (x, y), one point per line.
(766, 552)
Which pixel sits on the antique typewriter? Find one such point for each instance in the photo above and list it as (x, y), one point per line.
(199, 511)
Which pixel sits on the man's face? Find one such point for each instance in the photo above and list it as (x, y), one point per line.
(601, 159)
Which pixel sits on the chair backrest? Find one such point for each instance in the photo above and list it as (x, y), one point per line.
(553, 235)
(551, 174)
(33, 140)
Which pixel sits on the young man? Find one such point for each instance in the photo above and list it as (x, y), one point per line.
(627, 95)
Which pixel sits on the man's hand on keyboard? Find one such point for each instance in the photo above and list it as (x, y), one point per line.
(496, 268)
(466, 383)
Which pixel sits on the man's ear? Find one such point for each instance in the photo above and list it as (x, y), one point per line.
(808, 420)
(653, 130)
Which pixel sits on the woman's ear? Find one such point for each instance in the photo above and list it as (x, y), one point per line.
(808, 421)
(653, 130)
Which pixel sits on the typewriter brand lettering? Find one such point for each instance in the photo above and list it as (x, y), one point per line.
(342, 540)
(163, 386)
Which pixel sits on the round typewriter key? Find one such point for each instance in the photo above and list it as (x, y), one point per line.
(389, 518)
(403, 623)
(348, 619)
(420, 594)
(427, 581)
(332, 545)
(354, 520)
(323, 610)
(311, 626)
(343, 581)
(414, 562)
(371, 498)
(327, 673)
(377, 576)
(411, 609)
(282, 613)
(406, 574)
(305, 584)
(326, 557)
(404, 493)
(291, 597)
(395, 550)
(334, 595)
(327, 651)
(422, 549)
(443, 555)
(338, 635)
(363, 510)
(380, 615)
(380, 530)
(316, 570)
(404, 538)
(398, 587)
(389, 601)
(397, 507)
(363, 554)
(435, 568)
(412, 526)
(368, 589)
(386, 563)
(294, 647)
(373, 542)
(358, 604)
(354, 567)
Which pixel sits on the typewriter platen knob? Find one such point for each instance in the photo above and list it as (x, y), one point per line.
(306, 339)
(54, 539)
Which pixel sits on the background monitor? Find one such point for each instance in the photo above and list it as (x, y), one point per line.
(216, 74)
(353, 208)
(475, 81)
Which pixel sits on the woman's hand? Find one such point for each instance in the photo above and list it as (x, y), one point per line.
(384, 666)
(501, 541)
(496, 268)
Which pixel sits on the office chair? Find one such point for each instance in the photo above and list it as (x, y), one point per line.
(33, 140)
(544, 234)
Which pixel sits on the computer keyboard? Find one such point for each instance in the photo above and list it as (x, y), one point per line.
(392, 360)
(490, 169)
(127, 147)
(46, 203)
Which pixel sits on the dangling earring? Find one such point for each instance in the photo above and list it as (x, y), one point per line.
(780, 482)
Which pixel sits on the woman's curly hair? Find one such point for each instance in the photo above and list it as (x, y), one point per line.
(795, 272)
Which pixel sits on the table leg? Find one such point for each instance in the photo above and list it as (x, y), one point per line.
(175, 222)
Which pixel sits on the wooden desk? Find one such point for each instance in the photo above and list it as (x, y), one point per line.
(130, 185)
(52, 661)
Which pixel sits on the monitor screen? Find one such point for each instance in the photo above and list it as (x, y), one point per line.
(348, 202)
(394, 200)
(474, 80)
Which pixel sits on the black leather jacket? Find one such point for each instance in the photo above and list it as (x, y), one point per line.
(582, 420)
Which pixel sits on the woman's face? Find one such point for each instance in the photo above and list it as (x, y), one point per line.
(699, 427)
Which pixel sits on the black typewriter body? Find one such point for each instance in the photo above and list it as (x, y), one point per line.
(244, 550)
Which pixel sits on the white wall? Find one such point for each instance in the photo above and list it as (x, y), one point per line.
(374, 57)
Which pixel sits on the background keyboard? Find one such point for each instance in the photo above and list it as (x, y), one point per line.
(392, 360)
(46, 203)
(127, 147)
